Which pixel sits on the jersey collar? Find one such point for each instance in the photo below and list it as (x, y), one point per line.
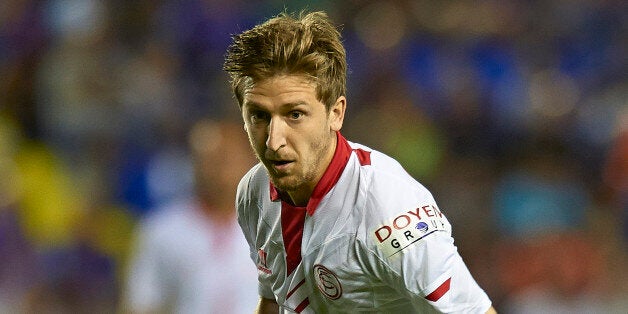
(329, 179)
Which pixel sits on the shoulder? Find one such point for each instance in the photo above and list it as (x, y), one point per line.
(252, 190)
(387, 182)
(252, 184)
(381, 165)
(398, 210)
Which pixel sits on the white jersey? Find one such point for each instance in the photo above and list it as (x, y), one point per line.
(371, 239)
(186, 263)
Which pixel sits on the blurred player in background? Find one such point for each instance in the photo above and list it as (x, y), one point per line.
(190, 255)
(332, 226)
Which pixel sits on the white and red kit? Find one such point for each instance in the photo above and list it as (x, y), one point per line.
(185, 262)
(371, 239)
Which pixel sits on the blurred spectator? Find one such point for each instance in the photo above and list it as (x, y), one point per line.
(59, 254)
(541, 194)
(76, 96)
(153, 107)
(399, 128)
(23, 40)
(191, 256)
(18, 262)
(547, 258)
(616, 170)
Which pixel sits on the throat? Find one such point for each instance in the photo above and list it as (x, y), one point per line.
(298, 198)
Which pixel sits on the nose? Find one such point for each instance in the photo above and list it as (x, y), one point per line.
(276, 134)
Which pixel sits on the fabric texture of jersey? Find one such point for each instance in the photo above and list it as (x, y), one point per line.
(372, 240)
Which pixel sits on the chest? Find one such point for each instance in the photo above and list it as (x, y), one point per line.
(334, 271)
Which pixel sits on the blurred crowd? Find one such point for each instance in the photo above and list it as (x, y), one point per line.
(513, 113)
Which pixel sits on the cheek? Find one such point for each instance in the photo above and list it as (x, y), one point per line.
(315, 145)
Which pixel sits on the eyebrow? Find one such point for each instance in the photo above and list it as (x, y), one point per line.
(255, 105)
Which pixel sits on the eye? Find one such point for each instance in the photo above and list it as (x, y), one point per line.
(296, 115)
(258, 116)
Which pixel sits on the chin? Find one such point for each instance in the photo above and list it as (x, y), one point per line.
(285, 183)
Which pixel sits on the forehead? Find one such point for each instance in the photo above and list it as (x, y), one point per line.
(281, 88)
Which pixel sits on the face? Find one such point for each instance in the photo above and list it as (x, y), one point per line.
(210, 142)
(291, 131)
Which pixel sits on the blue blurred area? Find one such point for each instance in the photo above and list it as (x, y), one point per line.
(513, 113)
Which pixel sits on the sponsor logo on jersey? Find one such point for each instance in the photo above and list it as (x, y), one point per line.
(422, 226)
(327, 282)
(261, 261)
(409, 227)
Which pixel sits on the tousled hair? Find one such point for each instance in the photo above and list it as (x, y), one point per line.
(307, 44)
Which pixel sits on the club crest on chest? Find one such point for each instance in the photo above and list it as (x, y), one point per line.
(327, 282)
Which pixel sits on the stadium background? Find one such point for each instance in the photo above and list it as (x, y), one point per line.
(513, 113)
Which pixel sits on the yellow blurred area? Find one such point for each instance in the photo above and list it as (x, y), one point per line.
(51, 210)
(420, 147)
(49, 204)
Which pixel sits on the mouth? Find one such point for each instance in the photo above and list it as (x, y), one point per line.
(281, 165)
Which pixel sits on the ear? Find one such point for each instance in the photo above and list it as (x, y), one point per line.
(337, 113)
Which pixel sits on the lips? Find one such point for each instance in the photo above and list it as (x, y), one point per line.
(280, 162)
(281, 165)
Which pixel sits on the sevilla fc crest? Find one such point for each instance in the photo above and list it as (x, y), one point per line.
(327, 282)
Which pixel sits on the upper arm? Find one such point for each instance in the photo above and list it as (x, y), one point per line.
(413, 252)
(248, 216)
(430, 272)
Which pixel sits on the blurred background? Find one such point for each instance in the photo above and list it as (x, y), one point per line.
(513, 113)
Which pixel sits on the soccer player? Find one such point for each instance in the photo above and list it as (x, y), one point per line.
(333, 226)
(190, 256)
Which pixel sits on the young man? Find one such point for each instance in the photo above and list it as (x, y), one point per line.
(332, 226)
(190, 255)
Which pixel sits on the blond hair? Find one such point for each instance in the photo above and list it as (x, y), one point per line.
(307, 44)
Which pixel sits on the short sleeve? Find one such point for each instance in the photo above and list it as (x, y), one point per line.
(431, 273)
(248, 219)
(412, 248)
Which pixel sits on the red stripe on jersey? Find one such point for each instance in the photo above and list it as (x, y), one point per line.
(302, 305)
(363, 156)
(330, 176)
(292, 219)
(440, 291)
(332, 173)
(294, 289)
(274, 193)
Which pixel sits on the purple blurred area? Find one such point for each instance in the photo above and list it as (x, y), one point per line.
(513, 113)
